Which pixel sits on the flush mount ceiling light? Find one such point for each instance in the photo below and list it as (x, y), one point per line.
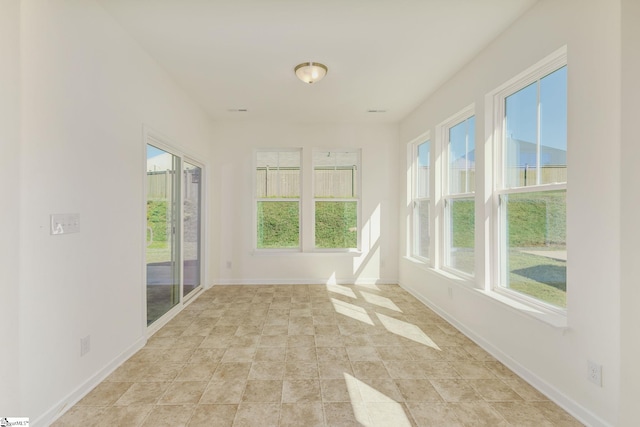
(310, 72)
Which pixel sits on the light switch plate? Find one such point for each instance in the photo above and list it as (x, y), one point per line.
(65, 223)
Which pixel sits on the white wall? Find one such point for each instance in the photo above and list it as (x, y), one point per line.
(9, 207)
(233, 210)
(87, 90)
(630, 292)
(553, 359)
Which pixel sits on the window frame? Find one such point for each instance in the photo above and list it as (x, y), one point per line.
(415, 199)
(314, 199)
(443, 143)
(496, 106)
(257, 200)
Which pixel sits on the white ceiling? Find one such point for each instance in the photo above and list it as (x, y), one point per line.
(382, 54)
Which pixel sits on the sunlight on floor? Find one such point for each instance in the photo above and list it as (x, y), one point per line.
(351, 310)
(377, 405)
(380, 301)
(406, 330)
(342, 290)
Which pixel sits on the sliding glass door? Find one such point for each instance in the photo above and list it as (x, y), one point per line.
(174, 231)
(191, 226)
(163, 267)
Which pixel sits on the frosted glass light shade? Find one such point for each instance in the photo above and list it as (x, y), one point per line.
(310, 72)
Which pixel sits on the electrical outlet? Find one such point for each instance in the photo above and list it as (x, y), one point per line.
(594, 373)
(450, 293)
(229, 264)
(85, 345)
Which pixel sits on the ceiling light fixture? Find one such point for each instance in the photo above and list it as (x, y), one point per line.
(310, 72)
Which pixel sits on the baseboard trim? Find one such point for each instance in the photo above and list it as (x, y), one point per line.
(578, 411)
(305, 282)
(57, 410)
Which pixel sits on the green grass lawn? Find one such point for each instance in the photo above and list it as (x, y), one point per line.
(536, 221)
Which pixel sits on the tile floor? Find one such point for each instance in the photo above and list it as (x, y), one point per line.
(312, 356)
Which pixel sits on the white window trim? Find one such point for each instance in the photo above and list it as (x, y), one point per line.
(257, 199)
(157, 139)
(442, 147)
(313, 199)
(495, 109)
(412, 161)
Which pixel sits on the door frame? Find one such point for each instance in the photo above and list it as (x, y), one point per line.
(159, 140)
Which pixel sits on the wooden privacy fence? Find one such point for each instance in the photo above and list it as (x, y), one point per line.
(523, 176)
(339, 182)
(159, 184)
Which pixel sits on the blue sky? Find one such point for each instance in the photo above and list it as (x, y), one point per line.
(153, 151)
(522, 115)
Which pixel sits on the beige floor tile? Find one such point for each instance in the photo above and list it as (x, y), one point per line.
(301, 370)
(522, 414)
(239, 354)
(385, 414)
(283, 355)
(133, 415)
(495, 390)
(339, 390)
(500, 371)
(556, 414)
(362, 353)
(404, 369)
(301, 354)
(335, 369)
(455, 390)
(332, 353)
(329, 341)
(343, 414)
(207, 355)
(267, 371)
(388, 353)
(379, 390)
(183, 392)
(369, 369)
(223, 392)
(430, 414)
(263, 391)
(479, 414)
(270, 354)
(435, 369)
(197, 371)
(106, 393)
(309, 414)
(524, 390)
(229, 371)
(471, 370)
(274, 330)
(418, 391)
(80, 416)
(143, 394)
(169, 416)
(270, 341)
(301, 341)
(213, 415)
(294, 391)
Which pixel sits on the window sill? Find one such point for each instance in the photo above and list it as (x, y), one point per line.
(551, 318)
(556, 320)
(283, 252)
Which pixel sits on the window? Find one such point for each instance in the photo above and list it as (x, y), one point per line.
(421, 237)
(277, 199)
(458, 193)
(531, 184)
(336, 178)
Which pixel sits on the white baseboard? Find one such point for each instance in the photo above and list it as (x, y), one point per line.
(57, 410)
(305, 282)
(578, 411)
